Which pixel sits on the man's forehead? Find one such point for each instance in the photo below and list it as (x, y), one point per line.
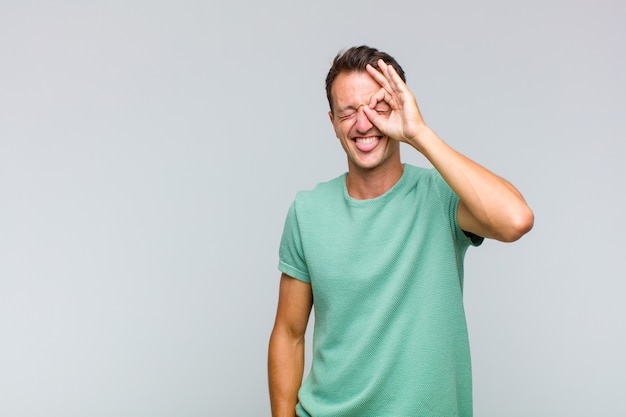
(350, 88)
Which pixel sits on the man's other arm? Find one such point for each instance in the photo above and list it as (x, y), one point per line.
(286, 348)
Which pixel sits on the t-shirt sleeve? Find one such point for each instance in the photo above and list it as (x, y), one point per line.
(452, 200)
(291, 254)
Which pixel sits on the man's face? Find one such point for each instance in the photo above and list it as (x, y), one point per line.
(367, 148)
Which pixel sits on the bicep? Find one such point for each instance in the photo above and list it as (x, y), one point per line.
(295, 301)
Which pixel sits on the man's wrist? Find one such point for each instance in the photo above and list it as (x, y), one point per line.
(423, 139)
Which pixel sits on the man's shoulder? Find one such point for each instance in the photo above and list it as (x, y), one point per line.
(324, 190)
(417, 173)
(423, 178)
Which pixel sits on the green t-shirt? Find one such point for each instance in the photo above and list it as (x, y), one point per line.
(390, 337)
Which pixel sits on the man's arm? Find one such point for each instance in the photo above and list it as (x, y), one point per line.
(286, 348)
(490, 206)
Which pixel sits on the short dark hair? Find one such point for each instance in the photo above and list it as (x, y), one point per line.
(355, 59)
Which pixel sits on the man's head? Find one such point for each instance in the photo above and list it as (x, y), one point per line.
(350, 88)
(355, 59)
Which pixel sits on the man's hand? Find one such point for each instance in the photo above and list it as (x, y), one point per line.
(404, 121)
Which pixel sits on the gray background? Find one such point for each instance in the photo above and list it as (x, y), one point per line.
(149, 152)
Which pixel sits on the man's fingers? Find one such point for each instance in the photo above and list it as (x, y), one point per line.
(391, 76)
(388, 72)
(388, 78)
(377, 97)
(375, 118)
(379, 76)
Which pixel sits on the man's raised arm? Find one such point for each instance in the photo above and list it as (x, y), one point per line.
(490, 206)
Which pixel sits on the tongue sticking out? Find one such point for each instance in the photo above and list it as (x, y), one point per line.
(366, 144)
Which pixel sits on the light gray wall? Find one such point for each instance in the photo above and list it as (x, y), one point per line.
(149, 151)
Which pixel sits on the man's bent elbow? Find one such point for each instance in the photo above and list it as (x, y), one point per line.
(520, 224)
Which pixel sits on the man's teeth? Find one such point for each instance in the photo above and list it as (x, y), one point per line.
(366, 140)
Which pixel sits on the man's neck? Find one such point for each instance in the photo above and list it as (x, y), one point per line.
(367, 184)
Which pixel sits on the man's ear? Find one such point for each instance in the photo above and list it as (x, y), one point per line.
(332, 122)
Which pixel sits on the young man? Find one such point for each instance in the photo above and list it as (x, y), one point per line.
(379, 251)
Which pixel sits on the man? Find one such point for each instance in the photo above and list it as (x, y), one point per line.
(379, 251)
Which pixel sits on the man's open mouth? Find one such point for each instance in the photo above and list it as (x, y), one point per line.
(366, 144)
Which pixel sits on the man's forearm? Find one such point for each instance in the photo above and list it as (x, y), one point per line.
(285, 370)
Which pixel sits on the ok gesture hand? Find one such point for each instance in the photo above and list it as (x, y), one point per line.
(404, 122)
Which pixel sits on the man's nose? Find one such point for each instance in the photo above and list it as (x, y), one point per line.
(363, 124)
